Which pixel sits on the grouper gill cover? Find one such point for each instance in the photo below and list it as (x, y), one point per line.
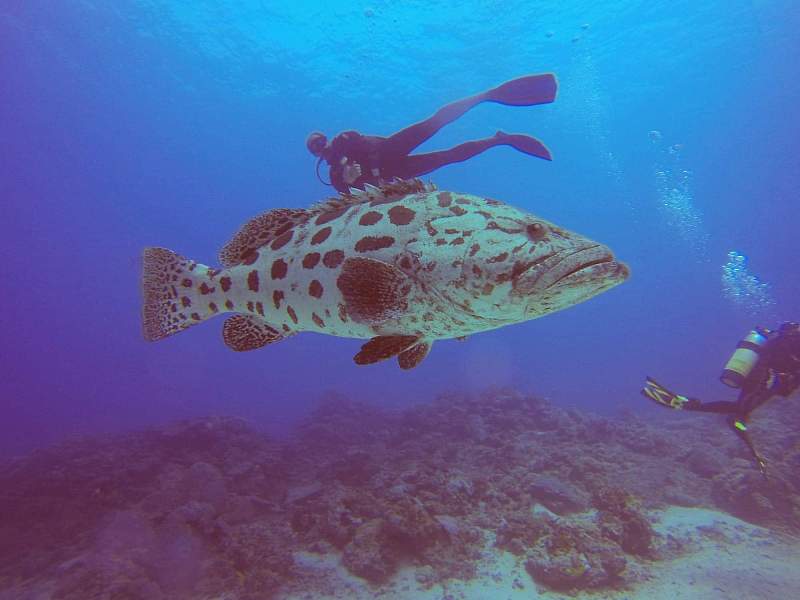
(402, 265)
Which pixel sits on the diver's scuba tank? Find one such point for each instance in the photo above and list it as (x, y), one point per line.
(744, 358)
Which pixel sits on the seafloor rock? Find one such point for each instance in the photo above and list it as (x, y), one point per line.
(558, 495)
(748, 495)
(367, 555)
(575, 556)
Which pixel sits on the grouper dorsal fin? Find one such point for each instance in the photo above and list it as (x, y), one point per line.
(386, 192)
(274, 227)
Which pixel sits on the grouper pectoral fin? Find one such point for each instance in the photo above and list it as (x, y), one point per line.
(243, 332)
(408, 359)
(383, 347)
(374, 291)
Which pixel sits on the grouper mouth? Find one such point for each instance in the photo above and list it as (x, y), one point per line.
(590, 267)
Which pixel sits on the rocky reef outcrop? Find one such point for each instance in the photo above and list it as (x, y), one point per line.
(212, 508)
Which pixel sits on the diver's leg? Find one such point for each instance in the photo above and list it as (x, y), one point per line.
(523, 91)
(721, 407)
(738, 423)
(421, 164)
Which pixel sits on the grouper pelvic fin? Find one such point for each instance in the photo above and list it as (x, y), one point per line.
(410, 358)
(383, 347)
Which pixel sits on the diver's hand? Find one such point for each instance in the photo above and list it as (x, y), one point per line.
(351, 172)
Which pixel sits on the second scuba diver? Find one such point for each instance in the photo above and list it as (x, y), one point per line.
(766, 363)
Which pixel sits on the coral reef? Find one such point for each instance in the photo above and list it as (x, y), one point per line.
(212, 508)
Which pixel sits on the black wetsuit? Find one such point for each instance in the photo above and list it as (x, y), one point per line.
(777, 373)
(382, 159)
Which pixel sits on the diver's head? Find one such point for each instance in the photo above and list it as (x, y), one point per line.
(789, 328)
(316, 143)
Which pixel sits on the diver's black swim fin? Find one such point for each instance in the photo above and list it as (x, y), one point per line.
(661, 395)
(525, 91)
(525, 143)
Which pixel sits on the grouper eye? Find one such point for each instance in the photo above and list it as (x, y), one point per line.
(536, 231)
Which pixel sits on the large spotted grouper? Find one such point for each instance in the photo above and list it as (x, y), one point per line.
(401, 265)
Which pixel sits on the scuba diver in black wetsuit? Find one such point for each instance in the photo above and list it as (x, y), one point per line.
(356, 160)
(766, 363)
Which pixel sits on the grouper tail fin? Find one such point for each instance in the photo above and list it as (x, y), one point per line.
(178, 293)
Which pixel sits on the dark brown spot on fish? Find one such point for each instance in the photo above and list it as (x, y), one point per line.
(213, 307)
(494, 225)
(463, 201)
(457, 211)
(249, 257)
(252, 281)
(225, 283)
(484, 214)
(488, 288)
(228, 304)
(370, 218)
(451, 231)
(457, 242)
(186, 302)
(279, 269)
(330, 215)
(321, 236)
(195, 316)
(260, 308)
(440, 242)
(310, 260)
(277, 296)
(333, 258)
(431, 229)
(371, 243)
(473, 250)
(282, 240)
(342, 313)
(476, 270)
(286, 328)
(250, 306)
(491, 202)
(315, 289)
(445, 199)
(405, 262)
(186, 283)
(499, 258)
(317, 319)
(211, 273)
(292, 314)
(400, 215)
(519, 268)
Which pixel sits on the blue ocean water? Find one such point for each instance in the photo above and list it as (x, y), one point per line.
(138, 123)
